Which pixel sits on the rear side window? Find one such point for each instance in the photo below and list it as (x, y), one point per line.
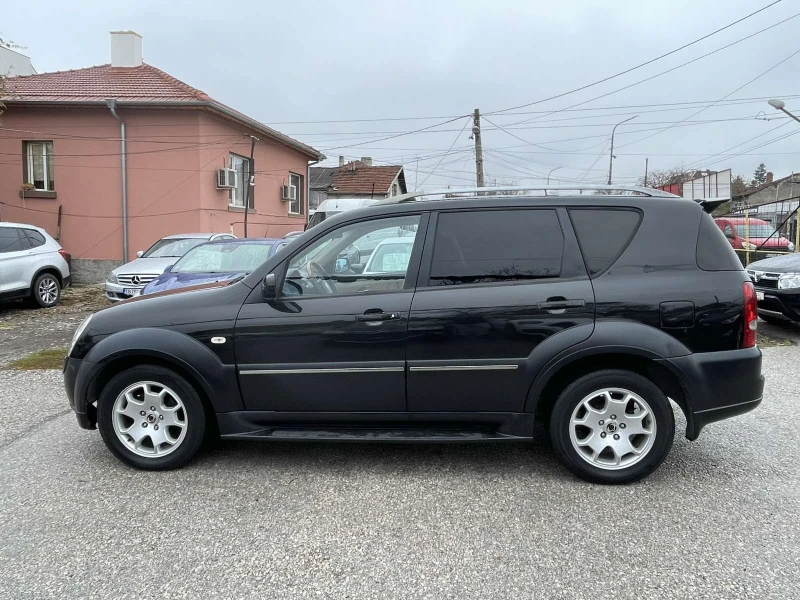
(603, 234)
(11, 241)
(714, 251)
(35, 238)
(496, 245)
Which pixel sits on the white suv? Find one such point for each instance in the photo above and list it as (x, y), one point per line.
(32, 264)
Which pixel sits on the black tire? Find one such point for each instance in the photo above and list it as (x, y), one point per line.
(574, 394)
(46, 290)
(194, 415)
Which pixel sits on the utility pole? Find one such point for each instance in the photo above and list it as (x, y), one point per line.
(251, 180)
(611, 157)
(476, 133)
(646, 160)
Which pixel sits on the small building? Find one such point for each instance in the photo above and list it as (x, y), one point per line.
(774, 201)
(14, 63)
(183, 166)
(356, 179)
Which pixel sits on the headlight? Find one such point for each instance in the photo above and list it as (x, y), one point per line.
(112, 278)
(748, 246)
(789, 281)
(790, 247)
(78, 333)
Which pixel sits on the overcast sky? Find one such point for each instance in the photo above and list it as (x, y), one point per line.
(435, 60)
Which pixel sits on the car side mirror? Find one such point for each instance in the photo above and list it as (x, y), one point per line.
(168, 269)
(357, 268)
(139, 254)
(342, 265)
(269, 288)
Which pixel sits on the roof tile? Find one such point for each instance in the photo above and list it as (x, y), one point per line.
(358, 178)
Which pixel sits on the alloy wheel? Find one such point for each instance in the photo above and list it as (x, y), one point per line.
(150, 419)
(48, 290)
(612, 428)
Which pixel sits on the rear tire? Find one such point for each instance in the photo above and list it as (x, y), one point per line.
(612, 427)
(46, 290)
(151, 418)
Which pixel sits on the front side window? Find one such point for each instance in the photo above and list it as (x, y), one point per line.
(367, 257)
(39, 165)
(241, 165)
(240, 257)
(491, 246)
(757, 230)
(296, 205)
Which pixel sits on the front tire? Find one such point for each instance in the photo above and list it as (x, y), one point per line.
(151, 418)
(46, 290)
(612, 427)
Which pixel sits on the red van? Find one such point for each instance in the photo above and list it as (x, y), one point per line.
(761, 232)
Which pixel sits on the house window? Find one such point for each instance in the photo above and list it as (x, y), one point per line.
(39, 165)
(241, 164)
(296, 205)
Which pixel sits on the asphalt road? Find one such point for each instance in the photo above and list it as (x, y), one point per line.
(719, 519)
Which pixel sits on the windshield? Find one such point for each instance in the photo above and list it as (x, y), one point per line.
(172, 247)
(756, 230)
(223, 258)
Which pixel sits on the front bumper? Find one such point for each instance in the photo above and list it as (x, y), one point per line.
(718, 385)
(75, 385)
(115, 292)
(781, 304)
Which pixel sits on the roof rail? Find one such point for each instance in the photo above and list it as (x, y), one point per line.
(493, 191)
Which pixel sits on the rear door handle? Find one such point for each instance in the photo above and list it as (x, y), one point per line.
(378, 316)
(557, 306)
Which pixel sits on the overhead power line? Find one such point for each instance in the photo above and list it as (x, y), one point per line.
(639, 66)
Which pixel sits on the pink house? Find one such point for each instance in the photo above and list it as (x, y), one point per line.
(109, 159)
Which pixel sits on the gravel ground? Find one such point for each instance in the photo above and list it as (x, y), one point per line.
(717, 520)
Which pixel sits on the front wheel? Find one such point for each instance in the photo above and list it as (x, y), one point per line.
(612, 427)
(151, 418)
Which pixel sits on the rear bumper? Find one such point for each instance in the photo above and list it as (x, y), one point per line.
(718, 385)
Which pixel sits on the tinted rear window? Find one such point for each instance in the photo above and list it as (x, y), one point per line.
(603, 234)
(714, 251)
(36, 239)
(496, 245)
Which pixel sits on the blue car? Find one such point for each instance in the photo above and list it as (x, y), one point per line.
(216, 261)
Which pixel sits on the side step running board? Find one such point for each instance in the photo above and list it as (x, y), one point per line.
(371, 435)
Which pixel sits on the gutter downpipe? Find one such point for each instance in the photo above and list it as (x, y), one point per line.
(308, 187)
(112, 105)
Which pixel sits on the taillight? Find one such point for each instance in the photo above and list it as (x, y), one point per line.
(750, 315)
(63, 253)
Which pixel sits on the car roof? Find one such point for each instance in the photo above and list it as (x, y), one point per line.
(25, 225)
(345, 203)
(246, 241)
(181, 236)
(742, 220)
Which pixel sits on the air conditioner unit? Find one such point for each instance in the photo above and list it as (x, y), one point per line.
(226, 179)
(289, 193)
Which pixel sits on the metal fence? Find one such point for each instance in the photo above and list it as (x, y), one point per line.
(782, 215)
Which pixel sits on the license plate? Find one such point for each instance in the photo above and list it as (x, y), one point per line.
(759, 295)
(136, 291)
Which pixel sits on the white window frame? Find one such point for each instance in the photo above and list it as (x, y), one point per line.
(245, 162)
(299, 195)
(45, 165)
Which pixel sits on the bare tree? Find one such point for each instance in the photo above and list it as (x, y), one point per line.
(662, 177)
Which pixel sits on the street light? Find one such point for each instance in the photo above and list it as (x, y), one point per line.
(780, 105)
(611, 157)
(548, 175)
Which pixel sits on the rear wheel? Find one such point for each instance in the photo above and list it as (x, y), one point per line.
(151, 418)
(46, 290)
(612, 426)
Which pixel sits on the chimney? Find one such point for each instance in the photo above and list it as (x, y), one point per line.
(367, 160)
(126, 49)
(770, 177)
(341, 160)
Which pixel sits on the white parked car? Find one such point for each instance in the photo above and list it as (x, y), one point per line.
(128, 280)
(32, 265)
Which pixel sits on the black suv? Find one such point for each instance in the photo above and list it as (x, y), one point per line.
(459, 319)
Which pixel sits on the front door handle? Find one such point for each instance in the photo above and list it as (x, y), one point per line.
(372, 316)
